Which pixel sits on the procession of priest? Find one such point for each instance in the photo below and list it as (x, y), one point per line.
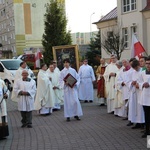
(122, 86)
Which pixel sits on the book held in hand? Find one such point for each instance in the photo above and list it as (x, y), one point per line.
(70, 80)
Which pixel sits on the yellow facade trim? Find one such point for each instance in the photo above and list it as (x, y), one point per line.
(18, 1)
(27, 18)
(20, 37)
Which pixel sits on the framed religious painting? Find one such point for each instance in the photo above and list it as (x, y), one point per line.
(66, 51)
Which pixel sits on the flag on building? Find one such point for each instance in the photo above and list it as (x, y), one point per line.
(137, 50)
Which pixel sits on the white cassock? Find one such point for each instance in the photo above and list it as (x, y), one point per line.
(44, 100)
(57, 70)
(72, 106)
(123, 77)
(145, 95)
(109, 83)
(3, 109)
(119, 103)
(58, 93)
(18, 75)
(25, 103)
(87, 77)
(136, 113)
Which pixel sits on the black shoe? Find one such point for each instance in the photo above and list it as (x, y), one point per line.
(24, 125)
(137, 126)
(3, 138)
(68, 119)
(144, 135)
(76, 117)
(29, 126)
(91, 101)
(102, 105)
(85, 101)
(111, 112)
(129, 124)
(125, 119)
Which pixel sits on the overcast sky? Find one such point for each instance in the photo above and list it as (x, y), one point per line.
(80, 13)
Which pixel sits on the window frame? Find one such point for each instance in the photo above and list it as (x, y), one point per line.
(125, 35)
(129, 5)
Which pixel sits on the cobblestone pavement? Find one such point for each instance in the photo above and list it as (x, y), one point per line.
(97, 130)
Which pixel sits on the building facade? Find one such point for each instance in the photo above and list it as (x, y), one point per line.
(22, 25)
(128, 18)
(82, 38)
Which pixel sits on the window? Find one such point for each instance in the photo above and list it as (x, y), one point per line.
(129, 5)
(110, 34)
(5, 37)
(125, 37)
(134, 29)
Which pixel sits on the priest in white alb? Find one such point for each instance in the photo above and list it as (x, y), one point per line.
(25, 89)
(54, 76)
(109, 76)
(44, 101)
(118, 101)
(4, 93)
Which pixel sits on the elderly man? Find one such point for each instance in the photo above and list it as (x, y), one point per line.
(101, 93)
(18, 75)
(54, 76)
(87, 78)
(119, 103)
(109, 76)
(25, 89)
(3, 110)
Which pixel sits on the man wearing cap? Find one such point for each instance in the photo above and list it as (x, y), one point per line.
(87, 78)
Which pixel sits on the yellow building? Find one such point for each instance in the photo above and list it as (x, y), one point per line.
(22, 25)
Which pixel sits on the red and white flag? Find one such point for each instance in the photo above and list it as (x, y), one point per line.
(137, 49)
(38, 56)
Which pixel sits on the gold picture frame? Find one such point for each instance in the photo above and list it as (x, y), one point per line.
(66, 51)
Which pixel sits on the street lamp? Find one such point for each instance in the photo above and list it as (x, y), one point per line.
(91, 24)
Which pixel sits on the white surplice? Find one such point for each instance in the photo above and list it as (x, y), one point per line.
(45, 95)
(3, 108)
(58, 93)
(72, 106)
(57, 70)
(119, 104)
(145, 95)
(109, 83)
(87, 77)
(25, 103)
(124, 78)
(136, 113)
(18, 75)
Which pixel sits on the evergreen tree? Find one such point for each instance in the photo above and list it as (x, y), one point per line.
(55, 29)
(94, 54)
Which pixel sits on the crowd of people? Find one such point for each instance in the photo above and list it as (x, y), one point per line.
(123, 86)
